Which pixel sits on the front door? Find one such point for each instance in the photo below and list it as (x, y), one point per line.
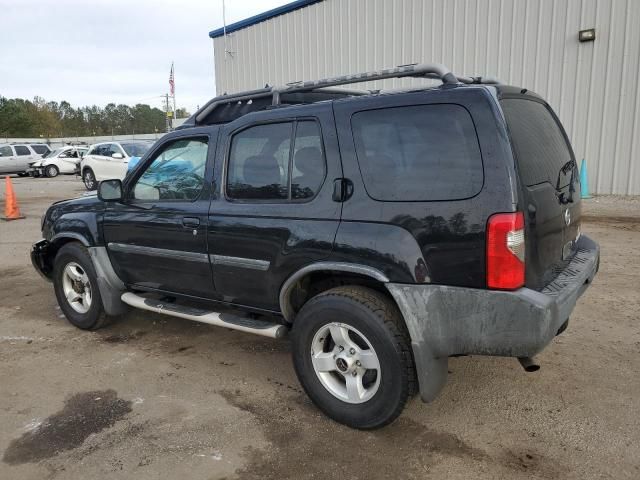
(114, 167)
(273, 211)
(156, 237)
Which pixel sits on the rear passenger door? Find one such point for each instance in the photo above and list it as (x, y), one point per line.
(273, 211)
(24, 156)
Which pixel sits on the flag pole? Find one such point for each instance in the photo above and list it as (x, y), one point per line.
(175, 112)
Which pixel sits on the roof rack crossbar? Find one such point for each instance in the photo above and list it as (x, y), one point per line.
(434, 71)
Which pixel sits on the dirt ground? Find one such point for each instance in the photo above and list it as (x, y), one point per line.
(155, 397)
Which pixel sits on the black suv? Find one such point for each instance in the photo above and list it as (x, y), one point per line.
(387, 231)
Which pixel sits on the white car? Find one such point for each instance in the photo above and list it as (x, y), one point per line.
(62, 160)
(110, 160)
(16, 158)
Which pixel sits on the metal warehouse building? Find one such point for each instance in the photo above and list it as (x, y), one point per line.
(592, 84)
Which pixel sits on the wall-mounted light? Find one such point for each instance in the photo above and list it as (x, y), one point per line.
(587, 35)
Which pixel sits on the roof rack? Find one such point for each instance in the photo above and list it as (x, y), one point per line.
(317, 90)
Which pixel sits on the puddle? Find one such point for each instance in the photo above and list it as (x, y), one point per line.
(83, 414)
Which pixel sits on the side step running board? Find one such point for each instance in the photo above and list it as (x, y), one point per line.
(257, 327)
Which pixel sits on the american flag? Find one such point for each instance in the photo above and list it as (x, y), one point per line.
(172, 84)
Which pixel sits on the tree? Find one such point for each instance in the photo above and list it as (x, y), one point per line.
(182, 113)
(25, 118)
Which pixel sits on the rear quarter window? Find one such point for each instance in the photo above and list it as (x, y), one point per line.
(418, 153)
(40, 149)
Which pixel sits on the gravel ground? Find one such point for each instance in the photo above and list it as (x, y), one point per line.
(155, 397)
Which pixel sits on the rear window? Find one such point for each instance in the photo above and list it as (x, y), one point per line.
(540, 148)
(418, 153)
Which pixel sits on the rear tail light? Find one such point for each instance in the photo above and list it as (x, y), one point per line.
(505, 251)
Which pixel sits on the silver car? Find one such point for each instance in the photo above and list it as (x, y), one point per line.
(16, 158)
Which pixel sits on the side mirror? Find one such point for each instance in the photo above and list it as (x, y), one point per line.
(110, 190)
(117, 156)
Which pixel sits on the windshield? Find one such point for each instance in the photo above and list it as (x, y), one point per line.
(136, 149)
(54, 153)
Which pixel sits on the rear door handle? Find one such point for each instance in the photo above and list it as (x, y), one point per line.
(191, 222)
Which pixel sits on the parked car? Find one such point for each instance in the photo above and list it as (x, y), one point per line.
(109, 160)
(41, 148)
(386, 231)
(16, 158)
(62, 160)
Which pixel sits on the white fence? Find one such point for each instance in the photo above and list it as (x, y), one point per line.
(56, 142)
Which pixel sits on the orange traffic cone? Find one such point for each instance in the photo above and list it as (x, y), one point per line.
(11, 210)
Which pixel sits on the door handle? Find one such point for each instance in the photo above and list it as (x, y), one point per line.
(191, 222)
(342, 189)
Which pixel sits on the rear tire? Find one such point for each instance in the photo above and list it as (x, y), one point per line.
(76, 286)
(366, 383)
(51, 171)
(89, 179)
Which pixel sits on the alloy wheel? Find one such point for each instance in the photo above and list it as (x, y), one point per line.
(76, 287)
(345, 362)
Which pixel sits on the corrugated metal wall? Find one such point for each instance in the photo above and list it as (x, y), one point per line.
(593, 86)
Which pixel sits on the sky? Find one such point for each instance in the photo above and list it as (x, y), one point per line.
(93, 52)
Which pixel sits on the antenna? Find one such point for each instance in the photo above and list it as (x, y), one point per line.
(224, 32)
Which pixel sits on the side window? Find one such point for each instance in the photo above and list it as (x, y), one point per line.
(97, 150)
(278, 161)
(22, 150)
(258, 165)
(113, 148)
(418, 153)
(176, 173)
(309, 167)
(6, 151)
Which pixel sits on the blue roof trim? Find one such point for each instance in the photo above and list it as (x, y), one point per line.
(289, 7)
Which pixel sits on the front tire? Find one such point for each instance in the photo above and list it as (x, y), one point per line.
(89, 179)
(51, 171)
(352, 355)
(76, 286)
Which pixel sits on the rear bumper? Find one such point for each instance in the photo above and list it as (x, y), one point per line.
(445, 321)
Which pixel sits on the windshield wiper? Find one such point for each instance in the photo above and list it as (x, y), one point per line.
(571, 164)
